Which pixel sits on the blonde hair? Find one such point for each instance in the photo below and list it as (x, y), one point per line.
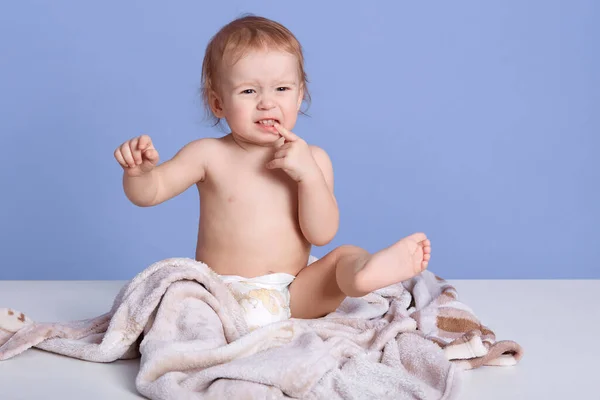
(235, 39)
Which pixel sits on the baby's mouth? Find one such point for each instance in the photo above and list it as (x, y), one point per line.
(267, 122)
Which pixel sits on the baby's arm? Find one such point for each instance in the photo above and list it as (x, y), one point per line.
(317, 207)
(311, 168)
(155, 185)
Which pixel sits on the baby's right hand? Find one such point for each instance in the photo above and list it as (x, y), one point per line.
(137, 156)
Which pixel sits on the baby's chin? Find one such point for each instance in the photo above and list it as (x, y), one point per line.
(258, 138)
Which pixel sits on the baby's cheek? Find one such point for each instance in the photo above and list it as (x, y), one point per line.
(239, 115)
(290, 118)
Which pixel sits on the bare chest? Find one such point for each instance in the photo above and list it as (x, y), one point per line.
(250, 193)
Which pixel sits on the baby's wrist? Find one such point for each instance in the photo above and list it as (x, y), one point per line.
(311, 177)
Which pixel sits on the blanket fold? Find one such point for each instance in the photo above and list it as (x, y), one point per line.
(410, 340)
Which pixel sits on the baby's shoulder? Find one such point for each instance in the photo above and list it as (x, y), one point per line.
(320, 155)
(204, 143)
(316, 150)
(204, 148)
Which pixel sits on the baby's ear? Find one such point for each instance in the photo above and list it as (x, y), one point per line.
(216, 105)
(300, 98)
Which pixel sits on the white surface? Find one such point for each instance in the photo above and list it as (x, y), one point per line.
(556, 322)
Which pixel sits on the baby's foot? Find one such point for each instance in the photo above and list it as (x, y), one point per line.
(401, 261)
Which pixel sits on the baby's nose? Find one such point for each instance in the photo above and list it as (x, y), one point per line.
(266, 103)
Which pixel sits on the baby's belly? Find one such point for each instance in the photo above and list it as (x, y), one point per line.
(251, 254)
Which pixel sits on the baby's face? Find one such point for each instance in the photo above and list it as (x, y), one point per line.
(262, 85)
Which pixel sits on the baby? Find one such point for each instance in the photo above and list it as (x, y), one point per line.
(266, 195)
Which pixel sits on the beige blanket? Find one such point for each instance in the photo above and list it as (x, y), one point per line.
(406, 341)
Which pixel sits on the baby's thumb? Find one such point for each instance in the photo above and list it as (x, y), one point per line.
(149, 160)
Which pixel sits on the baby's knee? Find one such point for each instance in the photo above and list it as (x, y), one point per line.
(349, 249)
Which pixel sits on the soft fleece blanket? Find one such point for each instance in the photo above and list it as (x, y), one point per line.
(406, 341)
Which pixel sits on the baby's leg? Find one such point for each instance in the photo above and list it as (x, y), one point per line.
(351, 271)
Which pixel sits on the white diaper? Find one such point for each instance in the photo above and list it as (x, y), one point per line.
(265, 299)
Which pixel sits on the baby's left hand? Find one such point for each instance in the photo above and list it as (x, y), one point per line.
(294, 156)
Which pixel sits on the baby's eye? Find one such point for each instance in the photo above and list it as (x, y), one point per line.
(248, 91)
(282, 89)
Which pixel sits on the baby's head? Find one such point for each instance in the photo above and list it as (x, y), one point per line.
(254, 70)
